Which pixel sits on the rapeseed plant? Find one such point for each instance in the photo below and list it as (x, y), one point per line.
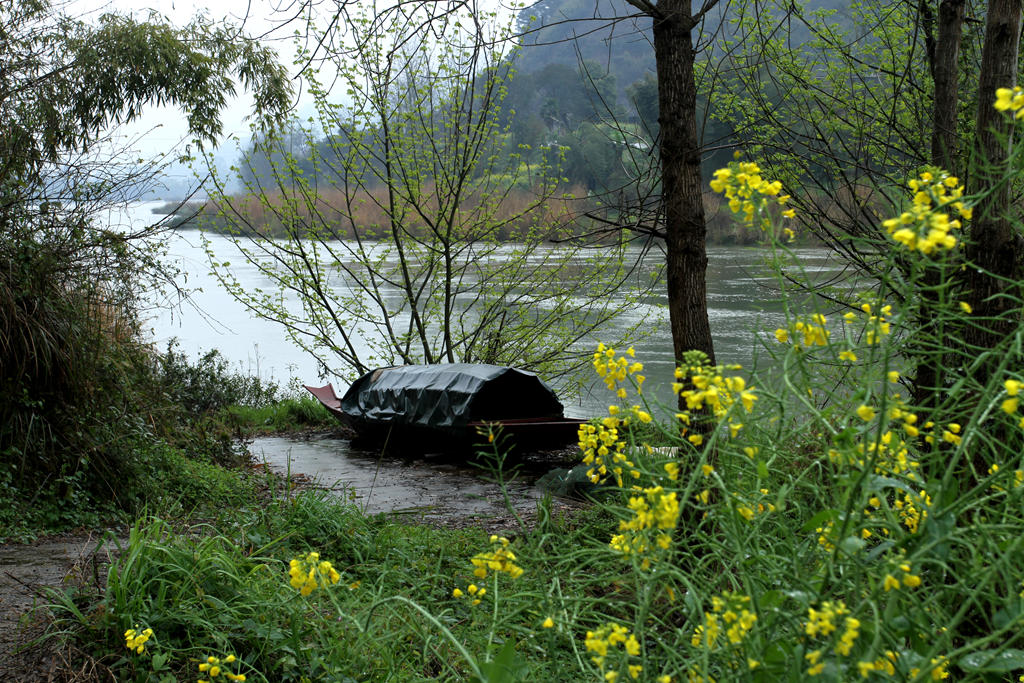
(310, 572)
(927, 226)
(605, 640)
(136, 640)
(827, 523)
(750, 195)
(214, 667)
(649, 533)
(500, 559)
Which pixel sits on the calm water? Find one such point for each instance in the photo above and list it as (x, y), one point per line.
(742, 299)
(425, 488)
(742, 302)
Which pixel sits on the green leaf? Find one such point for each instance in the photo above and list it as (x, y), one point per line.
(1009, 614)
(819, 520)
(877, 483)
(845, 439)
(851, 544)
(159, 659)
(770, 599)
(778, 652)
(993, 660)
(507, 667)
(900, 624)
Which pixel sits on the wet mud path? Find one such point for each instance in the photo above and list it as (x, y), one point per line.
(434, 489)
(26, 570)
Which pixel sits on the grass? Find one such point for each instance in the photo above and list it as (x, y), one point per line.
(220, 589)
(286, 415)
(813, 524)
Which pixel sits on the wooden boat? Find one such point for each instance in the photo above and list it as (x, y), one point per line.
(449, 407)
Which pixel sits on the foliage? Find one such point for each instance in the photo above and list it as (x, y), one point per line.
(208, 385)
(286, 415)
(77, 383)
(66, 81)
(823, 526)
(394, 249)
(165, 450)
(838, 103)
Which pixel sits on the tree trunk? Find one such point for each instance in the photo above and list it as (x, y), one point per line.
(944, 55)
(992, 249)
(685, 233)
(945, 73)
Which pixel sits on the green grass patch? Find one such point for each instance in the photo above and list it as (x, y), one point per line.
(286, 415)
(223, 589)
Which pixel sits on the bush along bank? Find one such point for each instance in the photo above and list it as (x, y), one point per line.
(160, 432)
(816, 522)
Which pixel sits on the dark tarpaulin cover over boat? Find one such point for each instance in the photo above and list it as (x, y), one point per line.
(447, 396)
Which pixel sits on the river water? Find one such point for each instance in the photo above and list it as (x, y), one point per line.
(743, 308)
(742, 297)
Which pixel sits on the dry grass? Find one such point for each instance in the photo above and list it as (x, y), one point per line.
(516, 216)
(337, 214)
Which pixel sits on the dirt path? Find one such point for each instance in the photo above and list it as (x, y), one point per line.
(24, 571)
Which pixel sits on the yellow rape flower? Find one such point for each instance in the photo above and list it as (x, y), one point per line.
(1010, 100)
(822, 622)
(213, 667)
(136, 640)
(816, 666)
(499, 559)
(928, 226)
(749, 194)
(609, 637)
(848, 637)
(310, 572)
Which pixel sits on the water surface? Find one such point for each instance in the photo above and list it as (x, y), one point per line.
(429, 488)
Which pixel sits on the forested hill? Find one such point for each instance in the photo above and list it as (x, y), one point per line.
(573, 49)
(585, 81)
(610, 34)
(583, 84)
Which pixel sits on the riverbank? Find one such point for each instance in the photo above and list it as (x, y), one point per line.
(263, 222)
(55, 589)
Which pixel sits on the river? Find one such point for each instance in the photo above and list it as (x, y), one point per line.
(742, 296)
(743, 308)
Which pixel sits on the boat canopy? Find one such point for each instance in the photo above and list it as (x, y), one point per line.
(446, 396)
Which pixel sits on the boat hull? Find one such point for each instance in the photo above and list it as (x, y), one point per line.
(451, 408)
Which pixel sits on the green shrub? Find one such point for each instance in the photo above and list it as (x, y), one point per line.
(286, 415)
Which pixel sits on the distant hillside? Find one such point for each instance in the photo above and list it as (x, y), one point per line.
(611, 34)
(583, 99)
(581, 66)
